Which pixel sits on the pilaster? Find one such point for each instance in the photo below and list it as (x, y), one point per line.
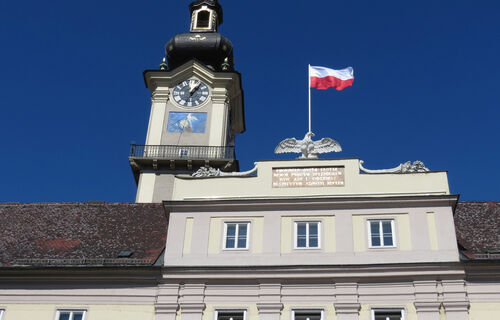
(167, 305)
(455, 301)
(346, 304)
(269, 304)
(427, 301)
(191, 301)
(219, 121)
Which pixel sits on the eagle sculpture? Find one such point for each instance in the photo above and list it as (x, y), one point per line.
(309, 148)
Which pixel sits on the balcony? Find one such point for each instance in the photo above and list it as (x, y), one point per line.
(180, 159)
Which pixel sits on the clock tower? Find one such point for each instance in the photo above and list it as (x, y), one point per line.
(196, 107)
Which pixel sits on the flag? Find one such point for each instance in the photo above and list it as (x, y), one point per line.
(324, 78)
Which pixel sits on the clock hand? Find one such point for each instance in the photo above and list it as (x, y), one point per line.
(193, 88)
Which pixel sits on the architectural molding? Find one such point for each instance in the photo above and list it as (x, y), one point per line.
(270, 308)
(347, 308)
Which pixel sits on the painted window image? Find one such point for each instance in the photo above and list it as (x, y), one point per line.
(195, 122)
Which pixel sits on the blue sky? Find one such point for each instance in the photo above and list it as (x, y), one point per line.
(72, 97)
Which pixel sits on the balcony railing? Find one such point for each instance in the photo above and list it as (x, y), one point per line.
(182, 152)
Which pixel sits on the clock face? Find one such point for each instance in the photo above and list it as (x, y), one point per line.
(191, 93)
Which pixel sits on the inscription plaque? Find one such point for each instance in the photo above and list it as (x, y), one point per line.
(308, 177)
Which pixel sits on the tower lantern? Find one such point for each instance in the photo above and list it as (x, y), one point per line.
(206, 16)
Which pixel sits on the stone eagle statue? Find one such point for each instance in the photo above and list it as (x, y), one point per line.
(309, 148)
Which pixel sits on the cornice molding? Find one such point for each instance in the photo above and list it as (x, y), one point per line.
(192, 307)
(269, 308)
(427, 306)
(330, 203)
(166, 308)
(347, 307)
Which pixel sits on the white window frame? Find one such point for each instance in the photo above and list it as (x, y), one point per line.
(58, 313)
(402, 310)
(237, 223)
(230, 310)
(322, 311)
(393, 232)
(210, 17)
(295, 235)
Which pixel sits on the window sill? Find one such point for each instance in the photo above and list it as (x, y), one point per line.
(383, 248)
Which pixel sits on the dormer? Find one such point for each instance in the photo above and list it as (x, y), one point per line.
(206, 16)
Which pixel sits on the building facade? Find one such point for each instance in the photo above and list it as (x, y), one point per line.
(306, 239)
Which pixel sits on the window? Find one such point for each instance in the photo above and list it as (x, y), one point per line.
(230, 315)
(381, 233)
(387, 314)
(307, 234)
(236, 235)
(307, 314)
(70, 315)
(203, 19)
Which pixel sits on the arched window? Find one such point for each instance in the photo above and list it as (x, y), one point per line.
(203, 19)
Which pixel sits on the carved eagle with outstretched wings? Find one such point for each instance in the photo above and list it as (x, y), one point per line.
(309, 148)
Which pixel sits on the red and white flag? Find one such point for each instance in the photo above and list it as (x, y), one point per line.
(324, 78)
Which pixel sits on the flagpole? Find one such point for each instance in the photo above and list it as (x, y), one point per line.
(309, 81)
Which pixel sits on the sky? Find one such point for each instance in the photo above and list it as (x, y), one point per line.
(72, 95)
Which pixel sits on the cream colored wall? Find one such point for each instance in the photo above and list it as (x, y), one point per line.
(484, 311)
(188, 236)
(216, 234)
(94, 312)
(356, 183)
(431, 225)
(403, 230)
(146, 187)
(327, 232)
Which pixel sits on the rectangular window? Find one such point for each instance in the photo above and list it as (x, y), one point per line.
(387, 314)
(307, 314)
(381, 233)
(230, 315)
(307, 234)
(236, 235)
(70, 315)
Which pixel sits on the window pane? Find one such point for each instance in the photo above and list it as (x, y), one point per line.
(388, 241)
(230, 242)
(242, 242)
(301, 229)
(375, 241)
(301, 242)
(64, 315)
(242, 230)
(231, 230)
(228, 315)
(388, 315)
(374, 227)
(311, 315)
(78, 316)
(313, 229)
(313, 242)
(387, 226)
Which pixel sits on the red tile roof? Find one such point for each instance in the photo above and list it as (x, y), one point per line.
(478, 229)
(68, 234)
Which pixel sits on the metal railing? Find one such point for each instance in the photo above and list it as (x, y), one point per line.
(181, 152)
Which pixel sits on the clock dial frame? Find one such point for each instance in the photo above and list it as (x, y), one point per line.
(191, 94)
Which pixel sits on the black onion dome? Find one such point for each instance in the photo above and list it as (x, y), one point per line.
(211, 49)
(213, 4)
